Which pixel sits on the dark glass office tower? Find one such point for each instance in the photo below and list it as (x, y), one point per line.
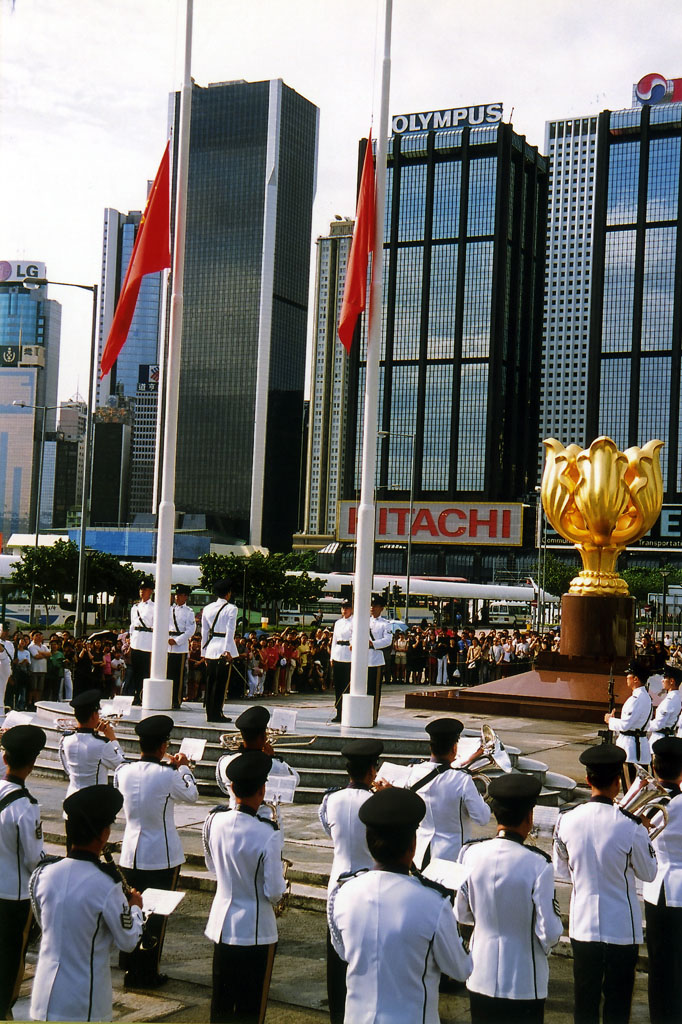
(636, 310)
(462, 326)
(251, 185)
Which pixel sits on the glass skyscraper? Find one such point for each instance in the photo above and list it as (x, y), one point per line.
(252, 173)
(462, 327)
(636, 308)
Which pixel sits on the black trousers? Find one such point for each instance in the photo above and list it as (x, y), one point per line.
(374, 688)
(143, 963)
(603, 967)
(488, 1010)
(15, 920)
(341, 673)
(241, 982)
(217, 673)
(176, 673)
(664, 942)
(336, 983)
(140, 663)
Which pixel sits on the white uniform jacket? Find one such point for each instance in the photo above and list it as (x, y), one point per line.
(668, 847)
(397, 936)
(21, 839)
(218, 621)
(381, 637)
(6, 659)
(452, 803)
(339, 817)
(634, 718)
(83, 914)
(509, 898)
(341, 639)
(600, 850)
(279, 767)
(666, 717)
(181, 627)
(87, 758)
(142, 625)
(150, 790)
(245, 853)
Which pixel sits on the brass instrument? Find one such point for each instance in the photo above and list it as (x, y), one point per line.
(645, 795)
(146, 941)
(283, 904)
(232, 741)
(490, 755)
(68, 723)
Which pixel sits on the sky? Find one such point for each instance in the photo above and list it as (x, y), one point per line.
(84, 88)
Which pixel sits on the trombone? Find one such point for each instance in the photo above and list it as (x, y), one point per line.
(232, 741)
(644, 796)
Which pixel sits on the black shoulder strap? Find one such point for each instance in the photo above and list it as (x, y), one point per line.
(211, 628)
(438, 770)
(16, 794)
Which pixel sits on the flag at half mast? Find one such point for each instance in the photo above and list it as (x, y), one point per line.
(355, 290)
(151, 253)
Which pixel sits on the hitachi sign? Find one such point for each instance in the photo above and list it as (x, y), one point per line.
(439, 522)
(455, 117)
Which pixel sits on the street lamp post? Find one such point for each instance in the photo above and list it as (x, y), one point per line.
(39, 282)
(664, 575)
(412, 438)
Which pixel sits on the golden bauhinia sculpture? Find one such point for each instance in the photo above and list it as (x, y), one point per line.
(601, 499)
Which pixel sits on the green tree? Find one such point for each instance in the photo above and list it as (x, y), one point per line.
(262, 579)
(557, 574)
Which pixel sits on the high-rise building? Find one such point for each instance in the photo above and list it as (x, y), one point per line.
(252, 168)
(328, 395)
(636, 308)
(29, 364)
(110, 466)
(462, 326)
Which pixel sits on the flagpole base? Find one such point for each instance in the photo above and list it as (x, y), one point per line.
(357, 711)
(157, 694)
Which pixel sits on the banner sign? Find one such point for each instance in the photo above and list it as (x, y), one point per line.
(439, 522)
(453, 117)
(665, 533)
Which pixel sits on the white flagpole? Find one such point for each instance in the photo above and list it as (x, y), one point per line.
(157, 692)
(358, 706)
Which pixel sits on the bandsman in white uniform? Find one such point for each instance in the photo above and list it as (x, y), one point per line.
(667, 717)
(633, 723)
(218, 622)
(245, 853)
(450, 794)
(6, 659)
(151, 851)
(341, 655)
(396, 932)
(252, 724)
(663, 896)
(601, 850)
(339, 817)
(81, 908)
(141, 635)
(92, 751)
(21, 848)
(508, 897)
(380, 639)
(181, 629)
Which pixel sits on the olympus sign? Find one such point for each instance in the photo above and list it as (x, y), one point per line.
(454, 117)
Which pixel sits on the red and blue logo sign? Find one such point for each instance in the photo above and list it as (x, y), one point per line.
(657, 89)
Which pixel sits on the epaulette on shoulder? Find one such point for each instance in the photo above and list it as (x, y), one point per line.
(269, 821)
(472, 842)
(632, 817)
(333, 789)
(220, 807)
(347, 875)
(571, 807)
(429, 883)
(98, 736)
(465, 771)
(536, 849)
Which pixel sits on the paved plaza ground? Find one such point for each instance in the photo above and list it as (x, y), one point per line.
(298, 994)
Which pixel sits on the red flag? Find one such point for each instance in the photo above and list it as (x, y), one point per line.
(151, 253)
(355, 291)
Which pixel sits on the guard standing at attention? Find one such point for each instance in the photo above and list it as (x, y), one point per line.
(181, 629)
(341, 656)
(663, 896)
(396, 932)
(218, 621)
(508, 897)
(600, 849)
(633, 722)
(380, 639)
(450, 794)
(667, 716)
(81, 908)
(92, 751)
(151, 851)
(245, 853)
(21, 848)
(141, 634)
(339, 817)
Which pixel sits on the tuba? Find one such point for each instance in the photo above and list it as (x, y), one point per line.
(646, 795)
(488, 755)
(283, 904)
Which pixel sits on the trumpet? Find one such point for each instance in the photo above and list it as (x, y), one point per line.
(68, 723)
(490, 755)
(644, 796)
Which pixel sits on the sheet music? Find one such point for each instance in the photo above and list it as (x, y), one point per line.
(396, 774)
(13, 718)
(282, 718)
(118, 705)
(446, 872)
(280, 789)
(192, 748)
(161, 901)
(545, 818)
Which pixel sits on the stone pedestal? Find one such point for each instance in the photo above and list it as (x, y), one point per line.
(597, 627)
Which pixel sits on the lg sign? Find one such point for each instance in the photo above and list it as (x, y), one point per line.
(11, 271)
(454, 117)
(439, 522)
